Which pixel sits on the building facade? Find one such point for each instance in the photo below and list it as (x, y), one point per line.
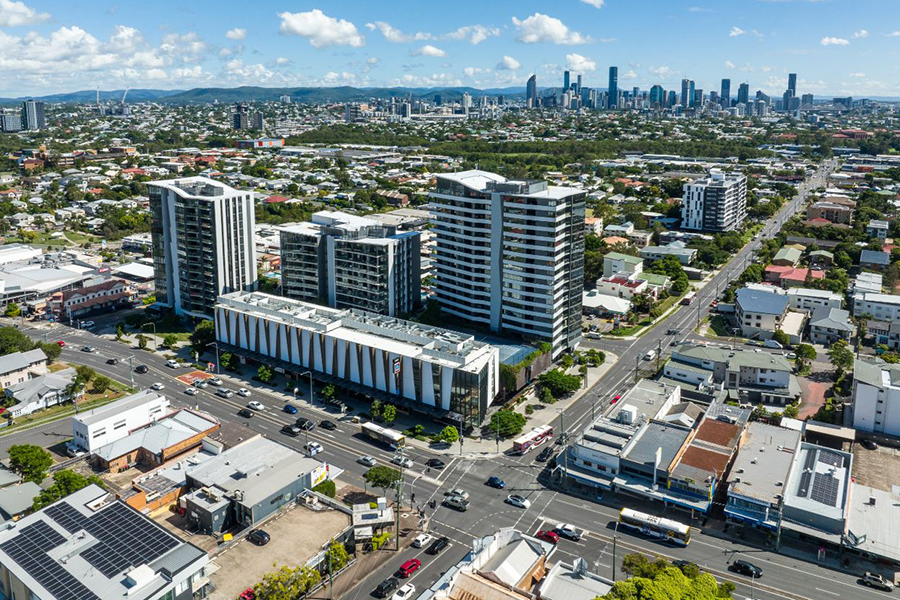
(202, 242)
(426, 368)
(33, 115)
(715, 203)
(346, 261)
(510, 255)
(876, 397)
(115, 421)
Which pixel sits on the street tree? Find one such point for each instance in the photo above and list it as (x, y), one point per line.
(170, 340)
(204, 335)
(841, 357)
(337, 555)
(85, 373)
(265, 373)
(507, 423)
(101, 383)
(29, 461)
(142, 341)
(382, 476)
(449, 434)
(389, 414)
(559, 383)
(65, 482)
(12, 310)
(781, 337)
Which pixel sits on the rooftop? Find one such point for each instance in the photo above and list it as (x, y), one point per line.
(873, 257)
(831, 318)
(757, 301)
(20, 360)
(112, 409)
(873, 522)
(627, 258)
(763, 461)
(663, 437)
(820, 481)
(573, 582)
(160, 435)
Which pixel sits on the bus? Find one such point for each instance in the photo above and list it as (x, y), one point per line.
(532, 439)
(657, 527)
(688, 298)
(384, 435)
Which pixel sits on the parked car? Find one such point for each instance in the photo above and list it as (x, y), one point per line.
(495, 482)
(773, 344)
(313, 448)
(869, 444)
(386, 587)
(568, 531)
(224, 393)
(548, 536)
(190, 391)
(157, 386)
(141, 369)
(329, 425)
(368, 461)
(256, 405)
(402, 461)
(755, 343)
(435, 463)
(305, 424)
(290, 409)
(87, 324)
(405, 593)
(291, 430)
(409, 567)
(244, 392)
(246, 413)
(545, 454)
(517, 500)
(259, 537)
(875, 580)
(437, 546)
(422, 540)
(112, 361)
(746, 568)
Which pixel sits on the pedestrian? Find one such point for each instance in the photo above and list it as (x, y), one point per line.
(413, 497)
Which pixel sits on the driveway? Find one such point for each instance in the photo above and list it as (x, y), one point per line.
(813, 388)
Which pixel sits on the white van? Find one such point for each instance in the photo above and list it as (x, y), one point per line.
(773, 344)
(650, 355)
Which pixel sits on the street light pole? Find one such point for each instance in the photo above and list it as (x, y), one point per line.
(216, 344)
(155, 340)
(312, 399)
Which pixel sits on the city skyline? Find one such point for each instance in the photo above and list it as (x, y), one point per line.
(52, 47)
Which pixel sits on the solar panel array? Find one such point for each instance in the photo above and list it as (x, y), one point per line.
(831, 458)
(125, 538)
(29, 550)
(804, 484)
(825, 489)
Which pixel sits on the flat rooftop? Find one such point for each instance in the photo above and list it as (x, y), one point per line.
(879, 468)
(112, 409)
(820, 481)
(764, 460)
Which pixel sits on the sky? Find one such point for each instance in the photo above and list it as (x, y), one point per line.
(837, 47)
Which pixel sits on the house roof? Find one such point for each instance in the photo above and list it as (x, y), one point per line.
(34, 389)
(20, 360)
(16, 499)
(627, 258)
(831, 318)
(159, 435)
(758, 301)
(874, 257)
(791, 254)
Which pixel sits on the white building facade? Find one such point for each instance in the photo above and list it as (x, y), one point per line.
(876, 397)
(112, 422)
(715, 203)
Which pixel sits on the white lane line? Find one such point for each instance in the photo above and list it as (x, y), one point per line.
(828, 592)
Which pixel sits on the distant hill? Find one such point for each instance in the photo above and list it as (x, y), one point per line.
(90, 96)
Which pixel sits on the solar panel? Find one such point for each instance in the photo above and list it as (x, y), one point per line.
(804, 484)
(810, 460)
(67, 516)
(831, 458)
(825, 489)
(30, 553)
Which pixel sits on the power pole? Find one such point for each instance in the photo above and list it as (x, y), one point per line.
(615, 538)
(658, 353)
(637, 361)
(330, 574)
(399, 502)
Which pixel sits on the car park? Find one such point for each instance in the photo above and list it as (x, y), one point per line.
(244, 392)
(313, 448)
(495, 482)
(224, 393)
(157, 386)
(386, 587)
(368, 461)
(422, 540)
(437, 546)
(568, 531)
(246, 413)
(435, 463)
(256, 405)
(405, 593)
(290, 409)
(291, 430)
(141, 369)
(305, 424)
(517, 500)
(746, 568)
(112, 361)
(409, 567)
(88, 349)
(402, 461)
(876, 581)
(259, 537)
(328, 425)
(190, 391)
(548, 536)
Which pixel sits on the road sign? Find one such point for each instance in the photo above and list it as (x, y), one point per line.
(396, 363)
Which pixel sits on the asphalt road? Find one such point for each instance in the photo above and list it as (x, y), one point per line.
(784, 576)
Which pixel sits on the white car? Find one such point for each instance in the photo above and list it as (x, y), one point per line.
(172, 364)
(568, 531)
(87, 324)
(404, 593)
(458, 492)
(190, 391)
(402, 461)
(215, 381)
(368, 461)
(244, 392)
(422, 540)
(256, 405)
(157, 386)
(314, 448)
(517, 500)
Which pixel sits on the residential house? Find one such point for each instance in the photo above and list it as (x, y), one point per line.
(787, 277)
(874, 260)
(40, 392)
(877, 228)
(616, 262)
(19, 367)
(831, 212)
(808, 300)
(787, 257)
(882, 307)
(622, 230)
(828, 325)
(759, 314)
(684, 254)
(876, 397)
(821, 258)
(885, 333)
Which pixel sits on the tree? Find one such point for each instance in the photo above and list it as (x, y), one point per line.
(382, 477)
(286, 583)
(13, 340)
(328, 392)
(170, 340)
(142, 341)
(546, 396)
(375, 409)
(791, 411)
(841, 356)
(449, 434)
(225, 360)
(326, 488)
(508, 423)
(204, 335)
(642, 303)
(51, 349)
(12, 310)
(805, 352)
(338, 556)
(85, 373)
(559, 383)
(265, 373)
(29, 461)
(102, 383)
(65, 482)
(782, 338)
(389, 413)
(567, 361)
(661, 580)
(595, 358)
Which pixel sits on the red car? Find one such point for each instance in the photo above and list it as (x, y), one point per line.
(61, 343)
(548, 536)
(616, 398)
(409, 567)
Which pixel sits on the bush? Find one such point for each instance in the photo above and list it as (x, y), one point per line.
(508, 423)
(559, 383)
(529, 410)
(782, 338)
(326, 488)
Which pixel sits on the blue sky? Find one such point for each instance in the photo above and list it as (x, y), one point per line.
(840, 47)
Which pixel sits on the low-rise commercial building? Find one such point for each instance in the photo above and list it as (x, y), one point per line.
(817, 494)
(808, 300)
(108, 295)
(109, 423)
(430, 369)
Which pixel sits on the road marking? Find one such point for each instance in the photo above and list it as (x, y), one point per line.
(828, 592)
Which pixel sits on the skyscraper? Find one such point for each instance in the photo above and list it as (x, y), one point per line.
(725, 95)
(657, 96)
(687, 92)
(347, 261)
(33, 114)
(510, 255)
(578, 86)
(715, 203)
(743, 95)
(202, 241)
(531, 92)
(670, 102)
(567, 80)
(240, 119)
(792, 84)
(613, 88)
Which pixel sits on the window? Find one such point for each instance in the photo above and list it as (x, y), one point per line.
(119, 425)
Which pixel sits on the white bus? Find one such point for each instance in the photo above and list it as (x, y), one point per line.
(384, 435)
(657, 527)
(532, 439)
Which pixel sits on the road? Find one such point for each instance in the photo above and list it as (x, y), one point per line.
(784, 576)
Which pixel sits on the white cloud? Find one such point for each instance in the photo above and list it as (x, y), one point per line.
(437, 80)
(834, 41)
(736, 31)
(508, 63)
(860, 75)
(475, 34)
(862, 33)
(281, 60)
(542, 28)
(698, 9)
(125, 39)
(594, 3)
(663, 72)
(14, 14)
(236, 34)
(631, 74)
(320, 29)
(894, 34)
(729, 64)
(579, 63)
(428, 50)
(186, 47)
(394, 35)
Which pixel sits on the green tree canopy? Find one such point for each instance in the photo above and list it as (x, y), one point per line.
(30, 462)
(12, 310)
(841, 356)
(204, 335)
(389, 413)
(508, 423)
(65, 482)
(13, 340)
(782, 338)
(382, 476)
(559, 383)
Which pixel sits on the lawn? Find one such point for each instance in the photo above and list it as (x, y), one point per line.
(631, 330)
(720, 326)
(79, 238)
